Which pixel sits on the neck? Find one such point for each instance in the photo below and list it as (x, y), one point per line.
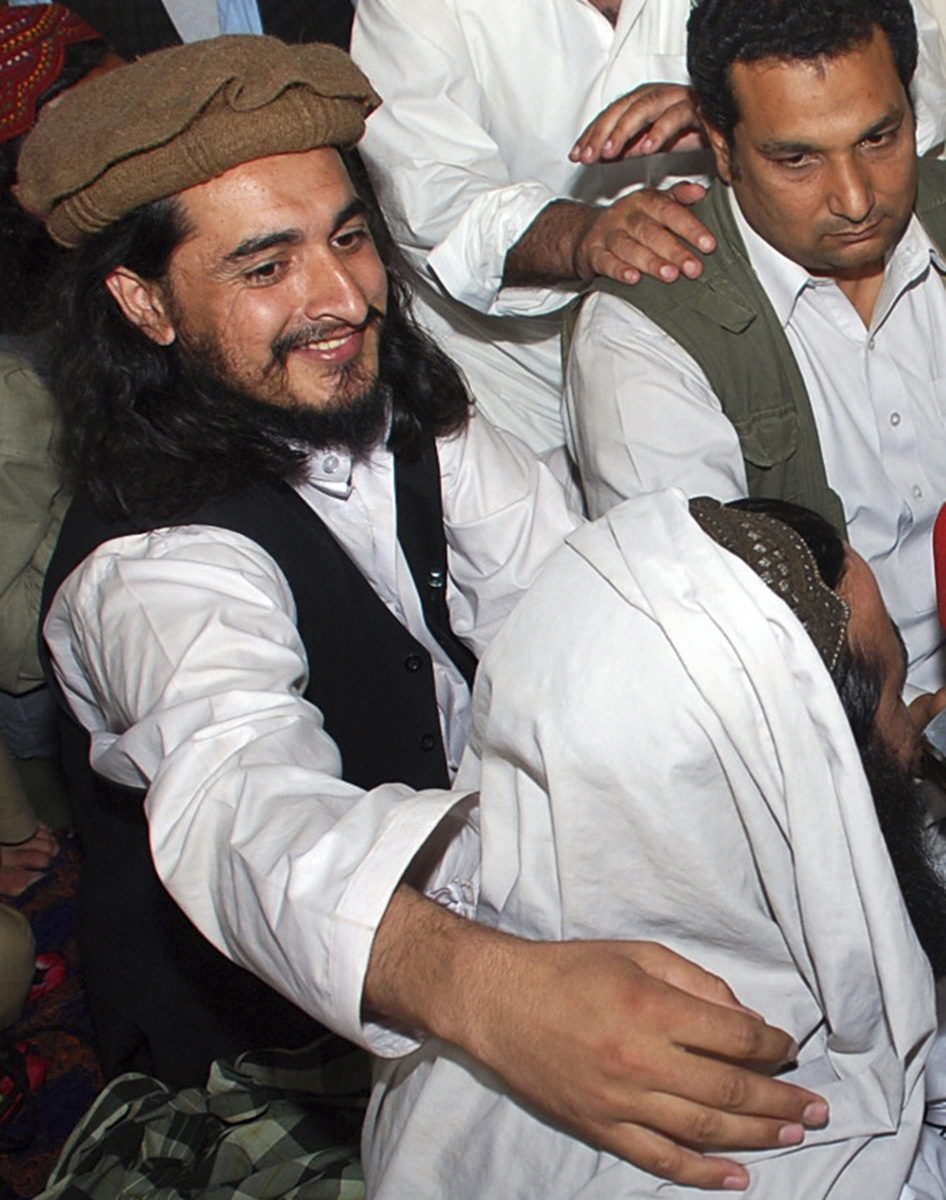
(862, 288)
(608, 8)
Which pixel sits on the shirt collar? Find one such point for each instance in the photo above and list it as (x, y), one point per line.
(784, 280)
(330, 471)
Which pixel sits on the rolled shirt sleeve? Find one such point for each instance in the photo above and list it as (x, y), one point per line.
(179, 652)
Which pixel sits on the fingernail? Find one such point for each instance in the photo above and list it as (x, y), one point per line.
(647, 145)
(735, 1183)
(608, 145)
(668, 273)
(707, 244)
(816, 1113)
(691, 268)
(790, 1135)
(631, 276)
(587, 154)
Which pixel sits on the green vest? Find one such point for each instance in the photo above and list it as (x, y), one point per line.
(725, 321)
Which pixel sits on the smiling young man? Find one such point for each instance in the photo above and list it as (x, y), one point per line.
(291, 535)
(807, 363)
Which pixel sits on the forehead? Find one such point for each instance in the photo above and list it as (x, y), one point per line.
(798, 99)
(304, 192)
(870, 628)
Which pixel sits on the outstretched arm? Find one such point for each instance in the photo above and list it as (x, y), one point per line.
(632, 1047)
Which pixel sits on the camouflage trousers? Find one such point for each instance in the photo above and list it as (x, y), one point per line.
(274, 1124)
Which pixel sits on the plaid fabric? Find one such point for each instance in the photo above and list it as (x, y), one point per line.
(274, 1124)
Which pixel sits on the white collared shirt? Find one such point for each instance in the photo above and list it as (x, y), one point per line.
(483, 100)
(643, 415)
(178, 651)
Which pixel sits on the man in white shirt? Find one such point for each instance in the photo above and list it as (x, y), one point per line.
(827, 304)
(484, 102)
(258, 607)
(700, 784)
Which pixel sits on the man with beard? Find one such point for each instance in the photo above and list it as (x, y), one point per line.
(702, 788)
(291, 535)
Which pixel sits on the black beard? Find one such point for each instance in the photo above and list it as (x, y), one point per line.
(901, 812)
(357, 425)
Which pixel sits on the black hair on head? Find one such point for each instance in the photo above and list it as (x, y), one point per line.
(723, 32)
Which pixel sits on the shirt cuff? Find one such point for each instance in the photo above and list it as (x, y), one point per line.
(469, 262)
(421, 820)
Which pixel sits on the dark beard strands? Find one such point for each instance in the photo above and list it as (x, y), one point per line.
(901, 813)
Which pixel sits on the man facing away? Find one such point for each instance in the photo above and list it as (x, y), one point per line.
(700, 783)
(261, 610)
(504, 216)
(810, 366)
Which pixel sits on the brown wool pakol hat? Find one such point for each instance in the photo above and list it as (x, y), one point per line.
(182, 116)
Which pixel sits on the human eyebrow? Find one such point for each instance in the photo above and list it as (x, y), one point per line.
(357, 208)
(262, 242)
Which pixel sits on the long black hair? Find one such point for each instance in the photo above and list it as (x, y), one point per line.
(149, 438)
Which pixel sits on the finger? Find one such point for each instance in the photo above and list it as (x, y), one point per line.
(711, 1129)
(624, 120)
(670, 231)
(664, 1158)
(603, 262)
(677, 128)
(682, 973)
(653, 250)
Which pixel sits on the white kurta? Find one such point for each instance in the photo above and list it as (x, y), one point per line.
(178, 651)
(642, 415)
(664, 757)
(483, 102)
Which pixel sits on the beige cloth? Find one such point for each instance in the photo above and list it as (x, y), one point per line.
(17, 963)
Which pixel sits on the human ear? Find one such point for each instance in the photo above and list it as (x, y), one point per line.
(143, 304)
(719, 144)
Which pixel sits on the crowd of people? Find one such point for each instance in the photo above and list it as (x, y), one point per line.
(467, 546)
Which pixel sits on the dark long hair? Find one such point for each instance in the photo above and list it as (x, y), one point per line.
(150, 439)
(723, 32)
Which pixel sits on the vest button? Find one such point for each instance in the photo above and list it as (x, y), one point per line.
(413, 662)
(428, 741)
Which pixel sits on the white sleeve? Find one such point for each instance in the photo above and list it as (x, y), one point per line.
(440, 174)
(178, 650)
(505, 512)
(929, 82)
(640, 413)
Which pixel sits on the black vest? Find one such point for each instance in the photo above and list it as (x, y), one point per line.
(373, 683)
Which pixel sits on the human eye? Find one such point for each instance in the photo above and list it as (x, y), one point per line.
(794, 162)
(265, 273)
(880, 140)
(352, 237)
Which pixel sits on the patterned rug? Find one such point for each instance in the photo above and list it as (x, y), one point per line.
(53, 1038)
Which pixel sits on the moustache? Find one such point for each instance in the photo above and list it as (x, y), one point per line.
(319, 331)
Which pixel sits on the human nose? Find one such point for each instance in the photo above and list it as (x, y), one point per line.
(333, 293)
(851, 195)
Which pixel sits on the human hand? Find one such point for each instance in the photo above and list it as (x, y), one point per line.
(639, 1052)
(644, 234)
(653, 117)
(926, 706)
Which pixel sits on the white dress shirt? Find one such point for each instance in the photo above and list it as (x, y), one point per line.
(178, 651)
(483, 100)
(680, 770)
(642, 415)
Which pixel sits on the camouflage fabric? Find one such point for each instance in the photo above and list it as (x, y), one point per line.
(275, 1124)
